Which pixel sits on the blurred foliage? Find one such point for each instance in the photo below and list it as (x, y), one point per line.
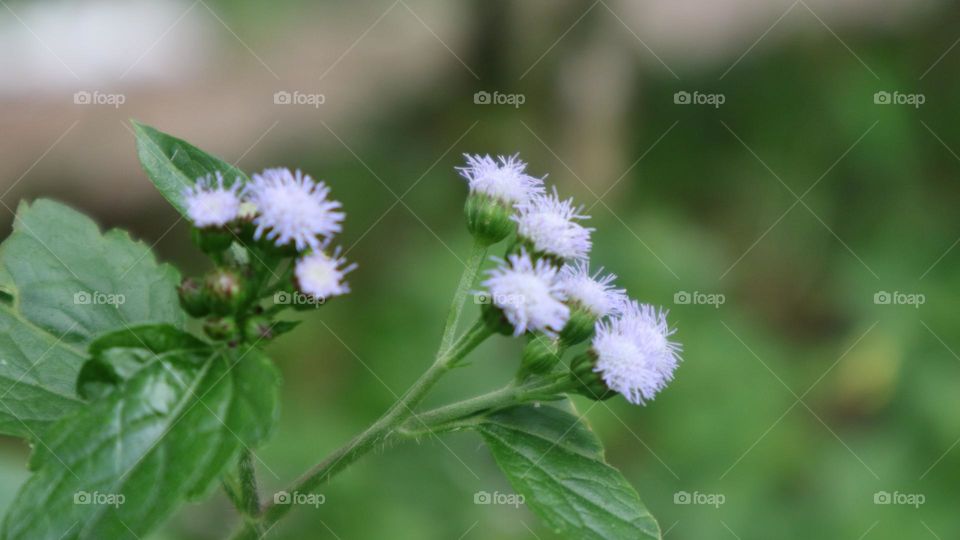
(799, 398)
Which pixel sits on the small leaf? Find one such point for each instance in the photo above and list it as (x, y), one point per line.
(117, 468)
(66, 283)
(174, 164)
(556, 463)
(282, 327)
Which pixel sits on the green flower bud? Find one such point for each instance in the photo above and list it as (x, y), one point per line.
(257, 328)
(540, 355)
(193, 298)
(226, 290)
(212, 239)
(586, 381)
(495, 320)
(221, 328)
(488, 219)
(579, 327)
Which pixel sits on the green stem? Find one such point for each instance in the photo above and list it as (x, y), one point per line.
(448, 356)
(381, 431)
(455, 414)
(472, 267)
(248, 484)
(241, 488)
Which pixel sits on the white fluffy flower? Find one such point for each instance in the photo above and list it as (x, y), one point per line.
(210, 204)
(592, 291)
(634, 354)
(549, 224)
(529, 294)
(292, 207)
(503, 179)
(321, 276)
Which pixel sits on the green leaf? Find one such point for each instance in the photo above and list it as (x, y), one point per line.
(118, 467)
(157, 338)
(556, 463)
(117, 356)
(174, 164)
(67, 283)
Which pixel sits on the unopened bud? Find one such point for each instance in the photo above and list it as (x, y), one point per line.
(193, 298)
(221, 328)
(488, 219)
(213, 239)
(258, 328)
(540, 355)
(579, 327)
(586, 381)
(226, 289)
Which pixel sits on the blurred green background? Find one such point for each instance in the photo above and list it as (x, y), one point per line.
(802, 398)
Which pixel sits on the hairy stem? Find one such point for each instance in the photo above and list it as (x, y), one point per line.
(380, 432)
(453, 415)
(450, 353)
(472, 267)
(240, 485)
(248, 484)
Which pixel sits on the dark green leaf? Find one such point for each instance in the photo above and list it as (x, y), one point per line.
(556, 463)
(174, 164)
(67, 283)
(162, 437)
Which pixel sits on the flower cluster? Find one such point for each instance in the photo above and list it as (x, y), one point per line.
(544, 287)
(288, 209)
(251, 229)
